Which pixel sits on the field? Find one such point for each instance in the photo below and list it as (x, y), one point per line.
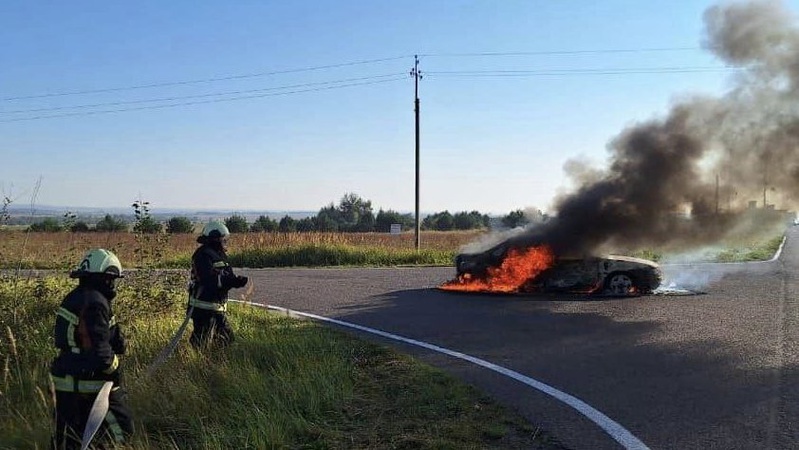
(63, 250)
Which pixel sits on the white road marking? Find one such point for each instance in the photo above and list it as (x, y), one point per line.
(611, 427)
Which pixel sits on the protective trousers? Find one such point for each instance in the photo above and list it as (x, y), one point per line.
(72, 413)
(210, 327)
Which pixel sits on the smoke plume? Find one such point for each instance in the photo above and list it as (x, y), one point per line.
(704, 152)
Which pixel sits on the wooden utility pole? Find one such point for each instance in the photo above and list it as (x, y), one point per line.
(416, 77)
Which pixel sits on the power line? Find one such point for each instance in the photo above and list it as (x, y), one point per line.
(563, 52)
(205, 80)
(345, 64)
(200, 102)
(565, 72)
(186, 97)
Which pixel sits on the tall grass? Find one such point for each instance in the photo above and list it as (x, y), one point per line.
(285, 383)
(62, 250)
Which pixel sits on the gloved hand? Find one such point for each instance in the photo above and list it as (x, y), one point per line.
(116, 377)
(241, 281)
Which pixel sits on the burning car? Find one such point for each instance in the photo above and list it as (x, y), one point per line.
(504, 268)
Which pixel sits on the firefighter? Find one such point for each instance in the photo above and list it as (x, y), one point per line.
(89, 342)
(211, 279)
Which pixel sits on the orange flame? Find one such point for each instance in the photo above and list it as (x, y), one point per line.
(518, 267)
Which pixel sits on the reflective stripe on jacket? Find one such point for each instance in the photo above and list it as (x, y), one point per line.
(68, 383)
(211, 306)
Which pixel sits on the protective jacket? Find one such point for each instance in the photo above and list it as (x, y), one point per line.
(88, 340)
(211, 279)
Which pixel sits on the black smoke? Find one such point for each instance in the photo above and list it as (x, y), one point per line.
(686, 179)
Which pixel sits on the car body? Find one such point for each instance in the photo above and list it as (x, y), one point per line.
(609, 275)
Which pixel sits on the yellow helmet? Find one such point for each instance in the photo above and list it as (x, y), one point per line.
(98, 261)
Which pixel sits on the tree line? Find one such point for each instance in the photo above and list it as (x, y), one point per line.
(351, 214)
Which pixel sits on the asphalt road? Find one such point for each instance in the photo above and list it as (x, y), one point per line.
(712, 371)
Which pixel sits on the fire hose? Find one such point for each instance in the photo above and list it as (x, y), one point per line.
(96, 415)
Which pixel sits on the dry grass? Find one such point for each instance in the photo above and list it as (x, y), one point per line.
(63, 250)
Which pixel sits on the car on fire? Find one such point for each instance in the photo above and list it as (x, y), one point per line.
(613, 275)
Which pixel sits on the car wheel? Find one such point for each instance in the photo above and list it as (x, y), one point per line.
(620, 283)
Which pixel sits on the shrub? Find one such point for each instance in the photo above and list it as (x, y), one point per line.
(236, 224)
(179, 225)
(264, 223)
(79, 227)
(49, 225)
(109, 223)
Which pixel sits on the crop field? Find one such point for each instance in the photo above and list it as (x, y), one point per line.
(62, 250)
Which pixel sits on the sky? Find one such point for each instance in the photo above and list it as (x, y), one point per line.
(287, 106)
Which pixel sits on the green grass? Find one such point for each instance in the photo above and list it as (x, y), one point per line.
(741, 250)
(285, 383)
(754, 251)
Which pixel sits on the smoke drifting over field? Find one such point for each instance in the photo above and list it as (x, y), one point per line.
(749, 138)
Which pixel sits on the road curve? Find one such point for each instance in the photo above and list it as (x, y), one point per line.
(711, 371)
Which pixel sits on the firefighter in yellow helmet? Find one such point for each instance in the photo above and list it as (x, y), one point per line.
(89, 342)
(211, 279)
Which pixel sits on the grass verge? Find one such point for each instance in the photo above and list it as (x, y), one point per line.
(742, 250)
(285, 383)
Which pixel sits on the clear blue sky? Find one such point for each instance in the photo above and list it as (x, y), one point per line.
(489, 143)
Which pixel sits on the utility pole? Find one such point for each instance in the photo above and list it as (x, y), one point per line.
(416, 77)
(717, 194)
(765, 180)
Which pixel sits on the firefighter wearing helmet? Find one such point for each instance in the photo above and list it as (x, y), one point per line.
(211, 279)
(90, 343)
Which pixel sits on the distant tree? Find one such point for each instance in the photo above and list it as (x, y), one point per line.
(287, 224)
(324, 222)
(147, 225)
(306, 224)
(263, 223)
(515, 219)
(442, 221)
(179, 225)
(79, 227)
(429, 222)
(109, 223)
(236, 224)
(384, 220)
(445, 222)
(366, 222)
(49, 225)
(470, 220)
(352, 209)
(328, 219)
